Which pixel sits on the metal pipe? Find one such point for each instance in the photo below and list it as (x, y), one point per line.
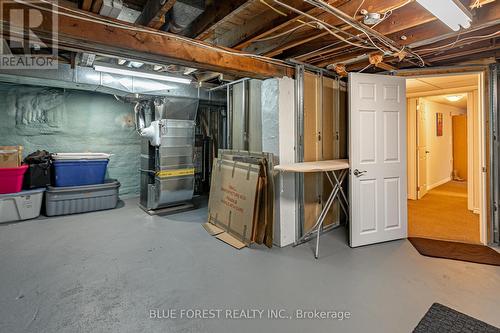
(229, 84)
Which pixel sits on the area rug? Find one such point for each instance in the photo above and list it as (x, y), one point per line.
(457, 251)
(442, 319)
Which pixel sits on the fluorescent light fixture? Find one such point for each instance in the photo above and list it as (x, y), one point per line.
(146, 75)
(454, 98)
(450, 12)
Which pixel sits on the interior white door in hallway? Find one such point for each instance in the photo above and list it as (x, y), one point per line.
(422, 150)
(377, 152)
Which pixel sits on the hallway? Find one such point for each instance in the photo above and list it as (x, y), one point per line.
(443, 214)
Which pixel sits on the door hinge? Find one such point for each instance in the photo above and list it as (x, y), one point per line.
(484, 169)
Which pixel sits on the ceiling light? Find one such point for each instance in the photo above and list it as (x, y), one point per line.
(450, 12)
(146, 75)
(454, 98)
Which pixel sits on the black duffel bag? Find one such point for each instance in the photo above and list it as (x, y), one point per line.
(38, 173)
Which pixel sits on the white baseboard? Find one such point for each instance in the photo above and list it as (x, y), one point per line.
(441, 182)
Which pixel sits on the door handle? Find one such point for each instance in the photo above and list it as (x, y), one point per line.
(358, 173)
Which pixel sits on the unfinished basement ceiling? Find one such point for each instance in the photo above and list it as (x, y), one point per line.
(265, 38)
(309, 31)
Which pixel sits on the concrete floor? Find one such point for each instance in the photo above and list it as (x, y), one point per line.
(104, 272)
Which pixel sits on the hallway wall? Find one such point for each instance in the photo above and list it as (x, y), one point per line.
(440, 159)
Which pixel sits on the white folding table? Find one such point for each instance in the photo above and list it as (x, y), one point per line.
(335, 171)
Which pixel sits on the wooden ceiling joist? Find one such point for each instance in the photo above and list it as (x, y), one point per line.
(406, 17)
(420, 34)
(120, 39)
(246, 21)
(213, 14)
(86, 4)
(307, 35)
(153, 13)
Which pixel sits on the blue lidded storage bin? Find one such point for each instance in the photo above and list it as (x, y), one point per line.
(79, 172)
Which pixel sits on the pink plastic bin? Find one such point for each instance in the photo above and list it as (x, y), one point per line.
(11, 179)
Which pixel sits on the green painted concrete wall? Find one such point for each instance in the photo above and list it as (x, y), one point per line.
(61, 120)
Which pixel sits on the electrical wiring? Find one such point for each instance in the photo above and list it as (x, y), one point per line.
(284, 14)
(357, 9)
(318, 21)
(364, 68)
(90, 18)
(327, 8)
(280, 34)
(323, 6)
(384, 17)
(275, 9)
(460, 41)
(343, 39)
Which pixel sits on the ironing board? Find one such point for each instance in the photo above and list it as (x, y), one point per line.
(335, 171)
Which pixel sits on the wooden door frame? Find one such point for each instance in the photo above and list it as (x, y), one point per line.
(483, 100)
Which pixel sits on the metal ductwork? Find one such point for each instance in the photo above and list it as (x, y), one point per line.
(183, 13)
(86, 78)
(167, 168)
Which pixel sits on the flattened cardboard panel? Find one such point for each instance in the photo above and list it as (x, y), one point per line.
(232, 198)
(228, 239)
(312, 148)
(329, 142)
(212, 229)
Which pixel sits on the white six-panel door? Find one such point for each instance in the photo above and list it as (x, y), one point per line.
(377, 153)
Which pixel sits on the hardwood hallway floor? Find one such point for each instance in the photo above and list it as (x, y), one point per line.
(442, 214)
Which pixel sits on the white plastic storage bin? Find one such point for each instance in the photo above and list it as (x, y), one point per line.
(21, 206)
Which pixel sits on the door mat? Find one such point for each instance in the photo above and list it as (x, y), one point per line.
(442, 319)
(457, 251)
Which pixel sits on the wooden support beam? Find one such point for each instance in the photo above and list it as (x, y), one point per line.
(153, 13)
(120, 39)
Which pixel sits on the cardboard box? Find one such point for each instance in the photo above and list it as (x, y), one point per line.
(241, 202)
(232, 200)
(11, 156)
